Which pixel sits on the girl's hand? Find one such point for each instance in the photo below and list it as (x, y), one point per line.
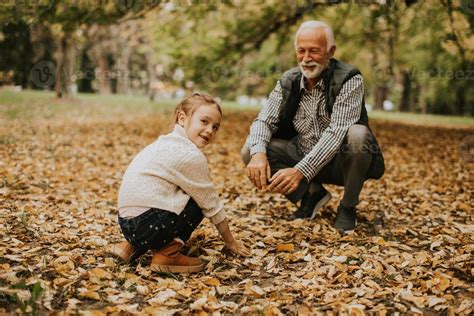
(230, 242)
(238, 248)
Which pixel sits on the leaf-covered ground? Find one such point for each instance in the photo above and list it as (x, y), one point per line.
(412, 251)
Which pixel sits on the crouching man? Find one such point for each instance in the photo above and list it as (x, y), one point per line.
(314, 131)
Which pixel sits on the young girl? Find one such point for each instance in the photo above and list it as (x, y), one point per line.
(166, 191)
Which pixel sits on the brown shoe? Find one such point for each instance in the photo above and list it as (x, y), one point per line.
(169, 259)
(123, 250)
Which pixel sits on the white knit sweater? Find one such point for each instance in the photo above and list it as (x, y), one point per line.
(165, 174)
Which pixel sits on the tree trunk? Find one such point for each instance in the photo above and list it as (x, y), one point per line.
(406, 92)
(418, 104)
(65, 57)
(60, 57)
(86, 69)
(460, 101)
(152, 77)
(123, 78)
(103, 75)
(381, 93)
(70, 68)
(382, 90)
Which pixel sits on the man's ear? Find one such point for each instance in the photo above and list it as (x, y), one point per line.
(181, 118)
(332, 50)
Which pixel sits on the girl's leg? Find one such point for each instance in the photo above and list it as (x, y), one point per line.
(188, 220)
(156, 228)
(169, 258)
(127, 250)
(124, 251)
(165, 232)
(135, 232)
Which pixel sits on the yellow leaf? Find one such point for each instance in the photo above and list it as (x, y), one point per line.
(253, 290)
(373, 285)
(185, 292)
(271, 310)
(65, 268)
(305, 311)
(109, 262)
(212, 282)
(60, 281)
(443, 284)
(285, 247)
(90, 294)
(378, 240)
(100, 273)
(356, 310)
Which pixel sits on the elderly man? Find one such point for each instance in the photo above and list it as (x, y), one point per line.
(314, 130)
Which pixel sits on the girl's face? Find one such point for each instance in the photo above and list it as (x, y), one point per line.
(202, 125)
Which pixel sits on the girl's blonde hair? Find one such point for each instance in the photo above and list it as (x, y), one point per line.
(192, 102)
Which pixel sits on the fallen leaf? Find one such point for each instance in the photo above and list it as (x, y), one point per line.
(162, 297)
(89, 294)
(285, 247)
(212, 282)
(100, 273)
(432, 300)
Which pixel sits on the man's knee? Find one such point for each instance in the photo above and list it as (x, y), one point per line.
(277, 147)
(245, 153)
(358, 139)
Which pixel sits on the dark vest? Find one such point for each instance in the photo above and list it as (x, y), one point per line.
(334, 77)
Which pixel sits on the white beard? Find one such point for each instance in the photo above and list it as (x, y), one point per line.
(311, 74)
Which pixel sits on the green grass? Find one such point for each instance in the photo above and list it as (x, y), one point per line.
(30, 104)
(423, 119)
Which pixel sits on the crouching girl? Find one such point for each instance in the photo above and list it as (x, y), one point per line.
(166, 192)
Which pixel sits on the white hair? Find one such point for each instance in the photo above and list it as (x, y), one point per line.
(316, 25)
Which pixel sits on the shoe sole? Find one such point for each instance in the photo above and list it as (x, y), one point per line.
(320, 204)
(176, 269)
(350, 230)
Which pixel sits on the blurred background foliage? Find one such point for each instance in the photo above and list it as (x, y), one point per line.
(417, 54)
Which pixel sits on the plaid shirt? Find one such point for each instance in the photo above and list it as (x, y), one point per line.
(319, 134)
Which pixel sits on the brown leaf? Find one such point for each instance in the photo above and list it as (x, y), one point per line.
(285, 247)
(90, 294)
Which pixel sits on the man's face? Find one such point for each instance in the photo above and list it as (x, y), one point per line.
(312, 52)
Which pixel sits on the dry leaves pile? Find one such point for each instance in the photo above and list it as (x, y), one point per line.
(412, 251)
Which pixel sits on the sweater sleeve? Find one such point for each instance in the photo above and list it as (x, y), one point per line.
(191, 174)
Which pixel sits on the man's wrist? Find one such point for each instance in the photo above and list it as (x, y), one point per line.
(258, 149)
(299, 174)
(259, 154)
(303, 174)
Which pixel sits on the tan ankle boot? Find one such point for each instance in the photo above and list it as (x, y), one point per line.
(169, 259)
(123, 250)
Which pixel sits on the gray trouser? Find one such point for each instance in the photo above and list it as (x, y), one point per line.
(348, 168)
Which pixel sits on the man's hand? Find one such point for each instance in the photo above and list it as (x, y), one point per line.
(258, 170)
(285, 181)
